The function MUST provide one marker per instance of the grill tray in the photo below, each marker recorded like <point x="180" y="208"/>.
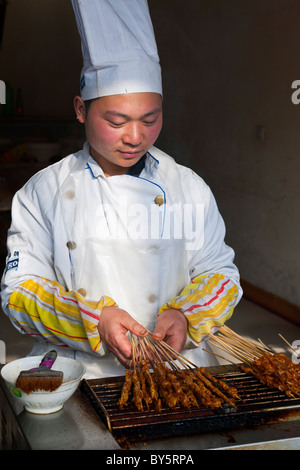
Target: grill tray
<point x="258" y="404"/>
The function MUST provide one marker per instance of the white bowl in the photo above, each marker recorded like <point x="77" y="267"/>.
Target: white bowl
<point x="42" y="402"/>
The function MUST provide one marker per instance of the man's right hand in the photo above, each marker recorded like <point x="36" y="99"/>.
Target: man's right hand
<point x="113" y="325"/>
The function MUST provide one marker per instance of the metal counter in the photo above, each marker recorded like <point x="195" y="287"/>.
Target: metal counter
<point x="78" y="427"/>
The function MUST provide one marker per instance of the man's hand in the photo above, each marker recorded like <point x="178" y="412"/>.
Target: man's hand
<point x="113" y="325"/>
<point x="171" y="326"/>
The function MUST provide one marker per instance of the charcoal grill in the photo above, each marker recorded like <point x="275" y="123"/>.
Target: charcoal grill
<point x="258" y="405"/>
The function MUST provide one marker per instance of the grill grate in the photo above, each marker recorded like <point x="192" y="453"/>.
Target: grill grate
<point x="258" y="403"/>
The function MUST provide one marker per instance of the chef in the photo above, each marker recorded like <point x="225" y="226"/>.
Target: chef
<point x="118" y="238"/>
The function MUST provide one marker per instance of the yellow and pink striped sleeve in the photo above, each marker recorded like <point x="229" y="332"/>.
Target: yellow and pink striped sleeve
<point x="42" y="308"/>
<point x="207" y="302"/>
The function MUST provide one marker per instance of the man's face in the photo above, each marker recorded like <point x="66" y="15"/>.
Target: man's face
<point x="121" y="129"/>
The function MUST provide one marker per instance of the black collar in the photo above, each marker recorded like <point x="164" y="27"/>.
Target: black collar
<point x="136" y="169"/>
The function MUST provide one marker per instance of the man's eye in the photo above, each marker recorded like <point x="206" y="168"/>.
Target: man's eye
<point x="150" y="122"/>
<point x="115" y="124"/>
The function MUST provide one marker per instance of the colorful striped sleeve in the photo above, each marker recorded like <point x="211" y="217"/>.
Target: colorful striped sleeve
<point x="42" y="308"/>
<point x="207" y="302"/>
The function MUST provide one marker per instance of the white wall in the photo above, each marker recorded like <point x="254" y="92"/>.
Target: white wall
<point x="228" y="67"/>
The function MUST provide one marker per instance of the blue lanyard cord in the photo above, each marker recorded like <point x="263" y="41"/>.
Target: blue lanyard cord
<point x="156" y="184"/>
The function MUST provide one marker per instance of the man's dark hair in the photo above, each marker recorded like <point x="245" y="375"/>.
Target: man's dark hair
<point x="88" y="104"/>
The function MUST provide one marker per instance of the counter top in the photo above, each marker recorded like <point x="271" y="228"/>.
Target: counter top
<point x="78" y="427"/>
<point x="75" y="427"/>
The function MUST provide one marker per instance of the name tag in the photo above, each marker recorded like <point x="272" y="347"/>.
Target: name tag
<point x="13" y="263"/>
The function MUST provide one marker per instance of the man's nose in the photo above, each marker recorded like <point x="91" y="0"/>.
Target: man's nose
<point x="133" y="134"/>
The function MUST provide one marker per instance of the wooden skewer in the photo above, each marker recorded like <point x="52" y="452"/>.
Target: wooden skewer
<point x="245" y="343"/>
<point x="133" y="351"/>
<point x="144" y="355"/>
<point x="237" y="346"/>
<point x="293" y="349"/>
<point x="230" y="350"/>
<point x="264" y="346"/>
<point x="218" y="355"/>
<point x="240" y="348"/>
<point x="166" y="347"/>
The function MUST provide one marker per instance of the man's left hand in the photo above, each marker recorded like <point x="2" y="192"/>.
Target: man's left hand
<point x="171" y="326"/>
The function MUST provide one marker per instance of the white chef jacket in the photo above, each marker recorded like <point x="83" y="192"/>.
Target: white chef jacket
<point x="137" y="239"/>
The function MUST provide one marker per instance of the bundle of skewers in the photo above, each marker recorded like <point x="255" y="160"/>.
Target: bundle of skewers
<point x="161" y="377"/>
<point x="275" y="370"/>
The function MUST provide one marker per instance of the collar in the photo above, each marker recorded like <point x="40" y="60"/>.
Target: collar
<point x="147" y="166"/>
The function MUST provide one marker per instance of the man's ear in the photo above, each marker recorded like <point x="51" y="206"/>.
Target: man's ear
<point x="80" y="109"/>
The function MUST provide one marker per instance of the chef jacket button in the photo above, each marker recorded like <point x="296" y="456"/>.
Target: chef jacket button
<point x="159" y="200"/>
<point x="70" y="194"/>
<point x="152" y="298"/>
<point x="82" y="292"/>
<point x="71" y="245"/>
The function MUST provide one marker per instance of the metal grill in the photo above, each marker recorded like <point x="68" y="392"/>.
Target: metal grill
<point x="258" y="404"/>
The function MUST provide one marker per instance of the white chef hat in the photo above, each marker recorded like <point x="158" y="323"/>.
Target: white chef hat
<point x="118" y="47"/>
